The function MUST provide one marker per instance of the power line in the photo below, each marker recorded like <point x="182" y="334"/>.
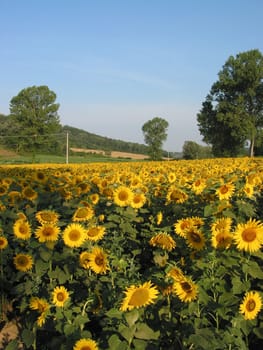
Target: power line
<point x="32" y="135"/>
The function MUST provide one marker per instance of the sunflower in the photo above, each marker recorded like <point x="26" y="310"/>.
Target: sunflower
<point x="42" y="306"/>
<point x="186" y="290"/>
<point x="47" y="217"/>
<point x="94" y="197"/>
<point x="195" y="238"/>
<point x="225" y="191"/>
<point x="138" y="200"/>
<point x="221" y="224"/>
<point x="83" y="214"/>
<point x="95" y="233"/>
<point x="3" y="243"/>
<point x="40" y="176"/>
<point x="176" y="195"/>
<point x="3" y="189"/>
<point x="98" y="260"/>
<point x="249" y="236"/>
<point x="248" y="190"/>
<point x="22" y="229"/>
<point x="29" y="193"/>
<point x="122" y="196"/>
<point x="182" y="225"/>
<point x="198" y="186"/>
<point x="176" y="274"/>
<point x="163" y="240"/>
<point x="84" y="259"/>
<point x="23" y="262"/>
<point x="14" y="196"/>
<point x="251" y="305"/>
<point x="47" y="233"/>
<point x="85" y="344"/>
<point x="60" y="296"/>
<point x="221" y="239"/>
<point x="140" y="296"/>
<point x="74" y="235"/>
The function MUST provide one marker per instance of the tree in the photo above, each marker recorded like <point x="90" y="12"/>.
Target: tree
<point x="233" y="110"/>
<point x="155" y="133"/>
<point x="34" y="114"/>
<point x="191" y="150"/>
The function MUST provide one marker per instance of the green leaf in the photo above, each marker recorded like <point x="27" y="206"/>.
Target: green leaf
<point x="45" y="254"/>
<point x="41" y="267"/>
<point x="114" y="313"/>
<point x="115" y="343"/>
<point x="69" y="329"/>
<point x="28" y="337"/>
<point x="132" y="316"/>
<point x="258" y="332"/>
<point x="253" y="269"/>
<point x="143" y="331"/>
<point x="140" y="344"/>
<point x="13" y="345"/>
<point x="127" y="332"/>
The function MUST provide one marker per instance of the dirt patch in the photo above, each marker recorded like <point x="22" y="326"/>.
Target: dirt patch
<point x="7" y="153"/>
<point x="113" y="154"/>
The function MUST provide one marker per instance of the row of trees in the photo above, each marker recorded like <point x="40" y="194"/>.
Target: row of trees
<point x="231" y="116"/>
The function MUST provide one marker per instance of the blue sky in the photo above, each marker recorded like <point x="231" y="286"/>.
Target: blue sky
<point x="115" y="64"/>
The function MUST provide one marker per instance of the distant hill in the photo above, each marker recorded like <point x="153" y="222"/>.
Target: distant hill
<point x="79" y="138"/>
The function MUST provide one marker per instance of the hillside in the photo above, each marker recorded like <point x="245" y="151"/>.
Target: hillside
<point x="79" y="138"/>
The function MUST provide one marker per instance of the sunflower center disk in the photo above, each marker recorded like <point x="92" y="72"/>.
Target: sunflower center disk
<point x="249" y="235"/>
<point x="74" y="235"/>
<point x="60" y="297"/>
<point x="139" y="297"/>
<point x="99" y="260"/>
<point x="251" y="305"/>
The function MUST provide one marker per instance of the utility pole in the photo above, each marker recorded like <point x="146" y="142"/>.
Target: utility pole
<point x="67" y="148"/>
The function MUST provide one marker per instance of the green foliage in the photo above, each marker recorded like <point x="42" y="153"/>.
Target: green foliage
<point x="192" y="150"/>
<point x="84" y="139"/>
<point x="33" y="115"/>
<point x="155" y="133"/>
<point x="232" y="112"/>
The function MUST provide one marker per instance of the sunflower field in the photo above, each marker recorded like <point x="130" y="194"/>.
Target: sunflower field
<point x="144" y="255"/>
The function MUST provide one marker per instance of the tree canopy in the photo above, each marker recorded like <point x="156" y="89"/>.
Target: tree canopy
<point x="155" y="133"/>
<point x="232" y="113"/>
<point x="33" y="112"/>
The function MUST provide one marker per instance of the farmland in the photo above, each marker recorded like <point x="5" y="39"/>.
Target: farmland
<point x="132" y="255"/>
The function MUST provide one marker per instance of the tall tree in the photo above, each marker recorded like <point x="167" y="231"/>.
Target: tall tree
<point x="35" y="115"/>
<point x="155" y="133"/>
<point x="233" y="110"/>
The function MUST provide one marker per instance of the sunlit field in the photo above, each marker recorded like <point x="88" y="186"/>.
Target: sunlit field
<point x="142" y="255"/>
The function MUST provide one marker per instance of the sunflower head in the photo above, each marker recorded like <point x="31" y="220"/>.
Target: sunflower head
<point x="74" y="235"/>
<point x="251" y="305"/>
<point x="23" y="262"/>
<point x="83" y="214"/>
<point x="140" y="296"/>
<point x="186" y="290"/>
<point x="47" y="217"/>
<point x="59" y="296"/>
<point x="22" y="229"/>
<point x="86" y="344"/>
<point x="163" y="240"/>
<point x="122" y="196"/>
<point x="3" y="242"/>
<point x="249" y="236"/>
<point x="98" y="261"/>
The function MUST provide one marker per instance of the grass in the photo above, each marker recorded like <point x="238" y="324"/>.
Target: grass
<point x="49" y="158"/>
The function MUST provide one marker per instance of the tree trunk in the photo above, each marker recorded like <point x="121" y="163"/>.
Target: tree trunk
<point x="251" y="147"/>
